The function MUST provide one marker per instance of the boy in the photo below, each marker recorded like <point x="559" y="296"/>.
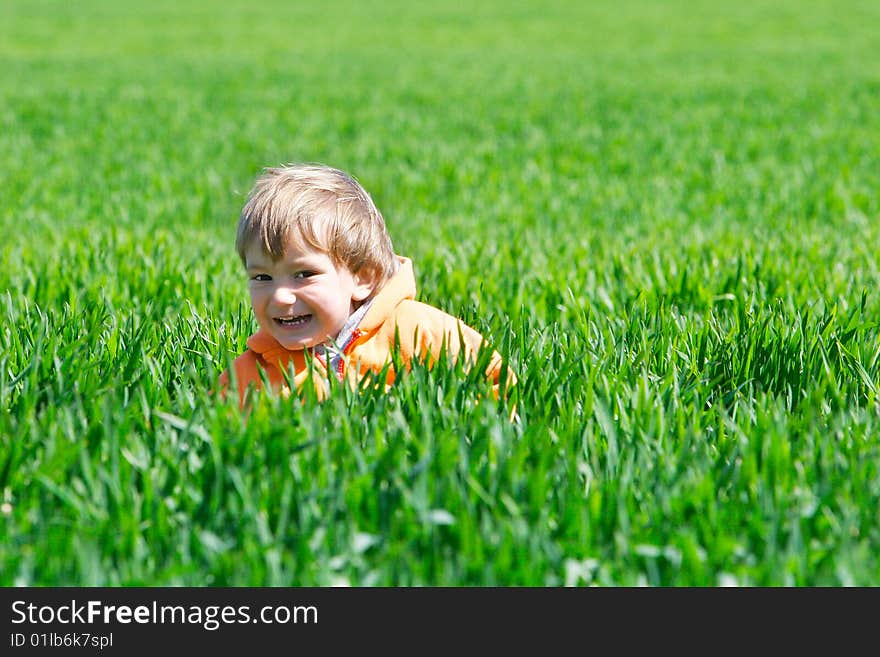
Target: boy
<point x="327" y="288"/>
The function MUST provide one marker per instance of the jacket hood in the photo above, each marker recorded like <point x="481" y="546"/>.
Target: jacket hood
<point x="399" y="287"/>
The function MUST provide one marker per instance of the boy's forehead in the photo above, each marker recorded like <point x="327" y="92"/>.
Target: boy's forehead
<point x="291" y="244"/>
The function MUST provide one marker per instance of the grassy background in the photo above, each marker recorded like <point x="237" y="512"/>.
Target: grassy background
<point x="664" y="214"/>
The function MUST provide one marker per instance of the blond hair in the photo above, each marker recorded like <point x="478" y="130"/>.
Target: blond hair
<point x="325" y="208"/>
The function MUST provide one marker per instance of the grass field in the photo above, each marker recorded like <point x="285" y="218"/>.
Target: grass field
<point x="664" y="214"/>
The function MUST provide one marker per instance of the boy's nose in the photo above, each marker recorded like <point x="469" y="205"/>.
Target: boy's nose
<point x="284" y="295"/>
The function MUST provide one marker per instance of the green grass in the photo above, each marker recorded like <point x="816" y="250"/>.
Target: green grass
<point x="664" y="214"/>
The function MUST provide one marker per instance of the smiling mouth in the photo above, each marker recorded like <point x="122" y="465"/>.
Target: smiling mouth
<point x="292" y="322"/>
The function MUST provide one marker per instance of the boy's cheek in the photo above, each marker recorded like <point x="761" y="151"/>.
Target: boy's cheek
<point x="255" y="308"/>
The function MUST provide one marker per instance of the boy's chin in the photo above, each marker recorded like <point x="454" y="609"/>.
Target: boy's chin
<point x="291" y="342"/>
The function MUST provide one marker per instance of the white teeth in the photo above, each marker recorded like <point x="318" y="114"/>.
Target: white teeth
<point x="292" y="321"/>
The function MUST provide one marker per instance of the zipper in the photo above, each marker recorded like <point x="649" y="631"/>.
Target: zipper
<point x="357" y="333"/>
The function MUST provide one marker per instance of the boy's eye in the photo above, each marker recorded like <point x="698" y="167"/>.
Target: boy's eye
<point x="303" y="274"/>
<point x="261" y="277"/>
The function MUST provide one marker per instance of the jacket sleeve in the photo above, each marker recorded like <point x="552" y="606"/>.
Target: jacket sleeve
<point x="246" y="373"/>
<point x="431" y="329"/>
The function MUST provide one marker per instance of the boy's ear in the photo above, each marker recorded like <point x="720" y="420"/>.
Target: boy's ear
<point x="364" y="285"/>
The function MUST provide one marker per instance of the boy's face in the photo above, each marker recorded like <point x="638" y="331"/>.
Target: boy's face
<point x="303" y="299"/>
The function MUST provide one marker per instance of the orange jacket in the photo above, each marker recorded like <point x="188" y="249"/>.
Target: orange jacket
<point x="422" y="331"/>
